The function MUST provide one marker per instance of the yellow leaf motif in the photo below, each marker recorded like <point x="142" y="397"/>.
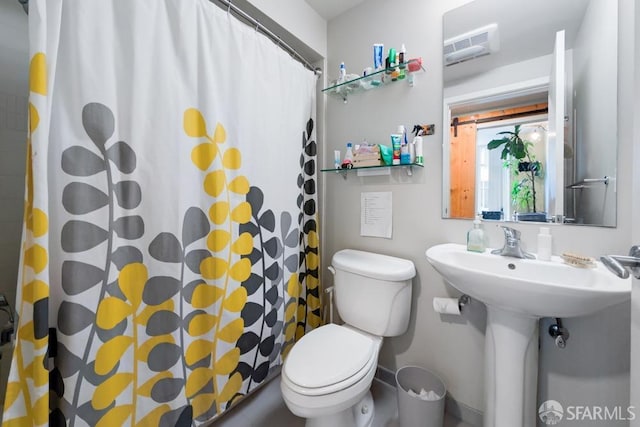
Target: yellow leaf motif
<point x="194" y="124"/>
<point x="110" y="353"/>
<point x="109" y="390"/>
<point x="241" y="270"/>
<point x="312" y="261"/>
<point x="230" y="388"/>
<point x="112" y="311"/>
<point x="227" y="363"/>
<point x="244" y="244"/>
<point x="218" y="212"/>
<point x="40" y="410"/>
<point x="232" y="331"/>
<point x="40" y="223"/>
<point x="239" y="185"/>
<point x="36" y="257"/>
<point x="34" y="118"/>
<point x="17" y="422"/>
<point x="197" y="380"/>
<point x="299" y="332"/>
<point x="145" y="349"/>
<point x="293" y="286"/>
<point x="37" y="372"/>
<point x="200" y="324"/>
<point x="290" y="311"/>
<point x="197" y="350"/>
<point x="153" y="417"/>
<point x="241" y="213"/>
<point x="312" y="239"/>
<point x="201" y="403"/>
<point x="145" y="389"/>
<point x="26" y="333"/>
<point x="290" y="331"/>
<point x="236" y="301"/>
<point x="214" y="183"/>
<point x="217" y="240"/>
<point x="204" y="295"/>
<point x="131" y="280"/>
<point x="219" y="135"/>
<point x="213" y="268"/>
<point x="38" y="74"/>
<point x="116" y="416"/>
<point x="232" y="158"/>
<point x="203" y="155"/>
<point x="12" y="393"/>
<point x="35" y="291"/>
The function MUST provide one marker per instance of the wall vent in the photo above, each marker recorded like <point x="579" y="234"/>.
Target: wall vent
<point x="473" y="44"/>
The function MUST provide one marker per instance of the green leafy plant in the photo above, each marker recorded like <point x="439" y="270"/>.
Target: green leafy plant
<point x="518" y="158"/>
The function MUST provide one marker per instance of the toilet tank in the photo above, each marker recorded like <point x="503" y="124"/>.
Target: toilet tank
<point x="373" y="291"/>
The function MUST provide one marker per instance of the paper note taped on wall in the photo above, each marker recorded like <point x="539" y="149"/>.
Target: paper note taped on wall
<point x="376" y="214"/>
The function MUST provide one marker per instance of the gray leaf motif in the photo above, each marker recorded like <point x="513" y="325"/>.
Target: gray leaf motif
<point x="268" y="220"/>
<point x="251" y="312"/>
<point x="291" y="262"/>
<point x="165" y="247"/>
<point x="72" y="318"/>
<point x="41" y="318"/>
<point x="77" y="277"/>
<point x="273" y="247"/>
<point x="167" y="389"/>
<point x="195" y="226"/>
<point x="285" y="221"/>
<point x="255" y="197"/>
<point x="126" y="255"/>
<point x="79" y="236"/>
<point x="181" y="417"/>
<point x="158" y="289"/>
<point x="162" y="323"/>
<point x="128" y="193"/>
<point x="129" y="227"/>
<point x="163" y="357"/>
<point x="98" y="122"/>
<point x="122" y="156"/>
<point x="79" y="198"/>
<point x="78" y="161"/>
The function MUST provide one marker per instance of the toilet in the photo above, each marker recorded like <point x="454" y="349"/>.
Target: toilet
<point x="327" y="374"/>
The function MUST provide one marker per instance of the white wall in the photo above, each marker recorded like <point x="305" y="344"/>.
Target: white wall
<point x="595" y="95"/>
<point x="14" y="47"/>
<point x="595" y="366"/>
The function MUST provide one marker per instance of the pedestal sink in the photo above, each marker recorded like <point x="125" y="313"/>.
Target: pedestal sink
<point x="518" y="292"/>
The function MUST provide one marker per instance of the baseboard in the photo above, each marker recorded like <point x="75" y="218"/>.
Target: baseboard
<point x="452" y="407"/>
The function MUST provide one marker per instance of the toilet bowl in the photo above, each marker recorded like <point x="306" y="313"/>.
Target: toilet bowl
<point x="327" y="374"/>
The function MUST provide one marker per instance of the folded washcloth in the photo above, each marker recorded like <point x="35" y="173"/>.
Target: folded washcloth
<point x="424" y="395"/>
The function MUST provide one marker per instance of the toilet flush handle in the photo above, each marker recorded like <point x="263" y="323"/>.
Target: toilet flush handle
<point x="332" y="270"/>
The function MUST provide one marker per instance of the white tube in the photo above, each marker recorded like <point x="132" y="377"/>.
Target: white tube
<point x="446" y="306"/>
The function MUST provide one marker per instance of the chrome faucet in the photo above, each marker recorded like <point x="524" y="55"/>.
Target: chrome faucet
<point x="512" y="245"/>
<point x="620" y="265"/>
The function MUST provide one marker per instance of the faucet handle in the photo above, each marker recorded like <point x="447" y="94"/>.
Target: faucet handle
<point x="510" y="233"/>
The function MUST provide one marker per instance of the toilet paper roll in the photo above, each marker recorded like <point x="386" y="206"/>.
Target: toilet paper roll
<point x="446" y="305"/>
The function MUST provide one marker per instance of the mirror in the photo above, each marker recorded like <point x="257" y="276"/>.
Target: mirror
<point x="544" y="72"/>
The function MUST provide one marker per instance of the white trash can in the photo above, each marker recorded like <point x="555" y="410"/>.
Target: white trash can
<point x="420" y="397"/>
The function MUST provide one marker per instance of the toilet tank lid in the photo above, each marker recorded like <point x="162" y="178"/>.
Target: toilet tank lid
<point x="375" y="266"/>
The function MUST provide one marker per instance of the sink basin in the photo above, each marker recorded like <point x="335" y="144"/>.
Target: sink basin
<point x="517" y="292"/>
<point x="531" y="287"/>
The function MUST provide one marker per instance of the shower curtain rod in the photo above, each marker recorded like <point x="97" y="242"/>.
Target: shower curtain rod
<point x="253" y="21"/>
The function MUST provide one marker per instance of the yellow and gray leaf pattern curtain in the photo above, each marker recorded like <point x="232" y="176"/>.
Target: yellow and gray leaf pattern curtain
<point x="170" y="248"/>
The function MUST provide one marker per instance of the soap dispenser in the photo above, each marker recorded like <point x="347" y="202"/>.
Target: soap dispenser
<point x="475" y="237"/>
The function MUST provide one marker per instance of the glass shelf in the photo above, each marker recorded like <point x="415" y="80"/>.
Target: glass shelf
<point x="371" y="81"/>
<point x="409" y="168"/>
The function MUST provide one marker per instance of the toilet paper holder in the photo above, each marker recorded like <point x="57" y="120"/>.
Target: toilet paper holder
<point x="463" y="300"/>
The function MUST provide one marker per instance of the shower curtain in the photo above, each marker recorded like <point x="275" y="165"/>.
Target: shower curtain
<point x="170" y="248"/>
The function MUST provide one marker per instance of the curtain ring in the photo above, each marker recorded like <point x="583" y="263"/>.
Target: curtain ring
<point x="228" y="6"/>
<point x="257" y="26"/>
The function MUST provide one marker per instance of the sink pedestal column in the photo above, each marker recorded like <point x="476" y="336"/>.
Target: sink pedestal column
<point x="511" y="369"/>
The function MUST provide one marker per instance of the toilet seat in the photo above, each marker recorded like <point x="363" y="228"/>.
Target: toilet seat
<point x="329" y="359"/>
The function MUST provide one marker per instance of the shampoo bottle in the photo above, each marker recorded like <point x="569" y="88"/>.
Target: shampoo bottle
<point x="475" y="237"/>
<point x="544" y="244"/>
